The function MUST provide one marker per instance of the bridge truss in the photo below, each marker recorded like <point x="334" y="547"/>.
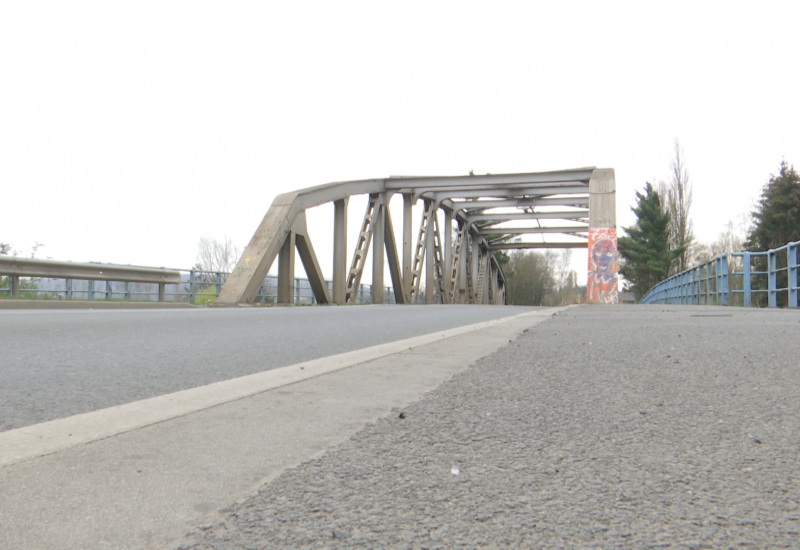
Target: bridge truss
<point x="463" y="221"/>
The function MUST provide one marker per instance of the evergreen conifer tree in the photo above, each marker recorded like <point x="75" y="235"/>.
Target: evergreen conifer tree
<point x="645" y="250"/>
<point x="777" y="215"/>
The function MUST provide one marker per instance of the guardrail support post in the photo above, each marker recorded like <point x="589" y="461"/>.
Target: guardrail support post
<point x="162" y="292"/>
<point x="794" y="279"/>
<point x="192" y="286"/>
<point x="14" y="285"/>
<point x="747" y="286"/>
<point x="772" y="278"/>
<point x="723" y="282"/>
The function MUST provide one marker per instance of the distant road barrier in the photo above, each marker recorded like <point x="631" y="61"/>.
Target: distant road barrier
<point x="15" y="267"/>
<point x="739" y="278"/>
<point x="70" y="280"/>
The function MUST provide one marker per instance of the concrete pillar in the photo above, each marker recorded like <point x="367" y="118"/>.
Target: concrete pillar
<point x="340" y="251"/>
<point x="602" y="284"/>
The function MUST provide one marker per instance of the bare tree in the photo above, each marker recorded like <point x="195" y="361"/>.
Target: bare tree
<point x="732" y="239"/>
<point x="560" y="262"/>
<point x="677" y="196"/>
<point x="214" y="255"/>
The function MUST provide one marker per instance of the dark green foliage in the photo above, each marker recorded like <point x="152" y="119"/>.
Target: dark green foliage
<point x="776" y="222"/>
<point x="645" y="250"/>
<point x="4" y="249"/>
<point x="529" y="278"/>
<point x="777" y="215"/>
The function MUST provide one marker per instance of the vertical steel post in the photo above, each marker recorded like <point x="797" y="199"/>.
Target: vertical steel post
<point x="794" y="276"/>
<point x="192" y="285"/>
<point x="747" y="287"/>
<point x="447" y="269"/>
<point x="476" y="259"/>
<point x="461" y="289"/>
<point x="162" y="292"/>
<point x="14" y="285"/>
<point x="430" y="264"/>
<point x="378" y="245"/>
<point x="723" y="280"/>
<point x="340" y="251"/>
<point x="772" y="278"/>
<point x="286" y="270"/>
<point x="90" y="289"/>
<point x="68" y="289"/>
<point x="408" y="258"/>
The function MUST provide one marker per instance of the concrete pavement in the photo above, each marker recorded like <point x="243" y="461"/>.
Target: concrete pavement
<point x="142" y="474"/>
<point x="603" y="427"/>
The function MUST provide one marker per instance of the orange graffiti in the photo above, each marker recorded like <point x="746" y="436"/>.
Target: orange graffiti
<point x="602" y="282"/>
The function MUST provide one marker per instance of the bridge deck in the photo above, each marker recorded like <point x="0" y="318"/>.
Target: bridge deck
<point x="622" y="426"/>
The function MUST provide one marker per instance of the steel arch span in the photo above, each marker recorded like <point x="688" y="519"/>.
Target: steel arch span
<point x="463" y="220"/>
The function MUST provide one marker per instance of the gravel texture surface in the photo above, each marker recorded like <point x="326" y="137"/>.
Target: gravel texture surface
<point x="605" y="427"/>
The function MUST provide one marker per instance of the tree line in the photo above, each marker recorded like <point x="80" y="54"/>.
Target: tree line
<point x="661" y="242"/>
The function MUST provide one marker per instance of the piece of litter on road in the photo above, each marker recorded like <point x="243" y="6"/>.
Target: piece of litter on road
<point x="455" y="471"/>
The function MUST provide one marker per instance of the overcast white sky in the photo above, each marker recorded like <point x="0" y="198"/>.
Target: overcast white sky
<point x="128" y="130"/>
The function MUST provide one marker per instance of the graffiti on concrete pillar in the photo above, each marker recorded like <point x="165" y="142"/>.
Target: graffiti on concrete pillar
<point x="602" y="282"/>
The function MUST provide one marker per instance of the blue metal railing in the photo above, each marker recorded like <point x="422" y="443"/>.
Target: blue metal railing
<point x="740" y="278"/>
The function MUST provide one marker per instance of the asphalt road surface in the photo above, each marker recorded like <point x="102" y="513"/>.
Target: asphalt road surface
<point x="56" y="363"/>
<point x="621" y="427"/>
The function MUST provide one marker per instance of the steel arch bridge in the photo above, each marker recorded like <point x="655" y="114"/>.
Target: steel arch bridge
<point x="464" y="220"/>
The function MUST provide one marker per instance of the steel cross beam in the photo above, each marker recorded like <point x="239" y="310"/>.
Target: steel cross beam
<point x="473" y="207"/>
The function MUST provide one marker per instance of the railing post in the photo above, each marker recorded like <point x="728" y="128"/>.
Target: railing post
<point x="162" y="291"/>
<point x="90" y="289"/>
<point x="68" y="289"/>
<point x="127" y="290"/>
<point x="14" y="285"/>
<point x="772" y="278"/>
<point x="747" y="286"/>
<point x="219" y="283"/>
<point x="722" y="280"/>
<point x="192" y="286"/>
<point x="794" y="279"/>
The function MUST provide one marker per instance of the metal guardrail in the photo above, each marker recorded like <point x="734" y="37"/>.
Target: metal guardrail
<point x="15" y="267"/>
<point x="739" y="278"/>
<point x="46" y="279"/>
